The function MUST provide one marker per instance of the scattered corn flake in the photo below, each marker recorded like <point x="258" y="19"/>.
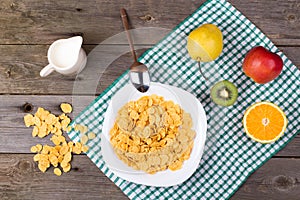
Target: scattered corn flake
<point x="55" y="140"/>
<point x="54" y="152"/>
<point x="39" y="147"/>
<point x="53" y="159"/>
<point x="42" y="134"/>
<point x="45" y="162"/>
<point x="65" y="143"/>
<point x="69" y="128"/>
<point x="64" y="164"/>
<point x="67" y="168"/>
<point x="84" y="129"/>
<point x="36" y="157"/>
<point x="84" y="139"/>
<point x="50" y="119"/>
<point x="66" y="107"/>
<point x="35" y="131"/>
<point x="81" y="128"/>
<point x="77" y="127"/>
<point x="57" y="147"/>
<point x="68" y="157"/>
<point x="42" y="168"/>
<point x="64" y="150"/>
<point x="70" y="144"/>
<point x="58" y="132"/>
<point x="61" y="138"/>
<point x="76" y="150"/>
<point x="78" y="144"/>
<point x="36" y="120"/>
<point x="57" y="171"/>
<point x="91" y="135"/>
<point x="62" y="116"/>
<point x="60" y="158"/>
<point x="84" y="148"/>
<point x="28" y="120"/>
<point x="45" y="123"/>
<point x="34" y="149"/>
<point x="44" y="152"/>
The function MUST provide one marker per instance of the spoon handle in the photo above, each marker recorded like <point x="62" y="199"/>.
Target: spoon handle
<point x="126" y="27"/>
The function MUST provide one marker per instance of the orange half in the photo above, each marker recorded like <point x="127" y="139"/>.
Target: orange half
<point x="264" y="122"/>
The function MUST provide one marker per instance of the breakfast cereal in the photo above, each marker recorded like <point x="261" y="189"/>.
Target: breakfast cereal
<point x="66" y="107"/>
<point x="152" y="134"/>
<point x="44" y="123"/>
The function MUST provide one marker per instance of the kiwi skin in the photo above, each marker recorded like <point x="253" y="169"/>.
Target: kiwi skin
<point x="224" y="93"/>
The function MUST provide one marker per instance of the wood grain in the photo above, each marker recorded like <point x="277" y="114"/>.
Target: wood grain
<point x="277" y="179"/>
<point x="36" y="22"/>
<point x="20" y="178"/>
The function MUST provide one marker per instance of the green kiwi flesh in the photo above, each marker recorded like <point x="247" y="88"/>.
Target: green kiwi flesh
<point x="224" y="93"/>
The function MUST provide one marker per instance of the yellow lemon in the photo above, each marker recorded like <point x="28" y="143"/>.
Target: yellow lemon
<point x="205" y="43"/>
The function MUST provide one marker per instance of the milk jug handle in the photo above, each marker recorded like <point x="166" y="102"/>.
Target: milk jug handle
<point x="46" y="70"/>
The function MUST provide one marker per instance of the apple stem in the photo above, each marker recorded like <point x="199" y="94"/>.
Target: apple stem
<point x="199" y="65"/>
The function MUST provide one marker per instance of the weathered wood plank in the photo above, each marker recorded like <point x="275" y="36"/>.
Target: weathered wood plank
<point x="19" y="74"/>
<point x="21" y="179"/>
<point x="12" y="110"/>
<point x="279" y="20"/>
<point x="36" y="22"/>
<point x="277" y="179"/>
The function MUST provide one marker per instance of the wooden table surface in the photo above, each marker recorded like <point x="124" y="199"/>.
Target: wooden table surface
<point x="28" y="27"/>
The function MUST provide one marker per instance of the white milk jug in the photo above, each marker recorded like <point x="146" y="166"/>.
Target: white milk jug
<point x="66" y="57"/>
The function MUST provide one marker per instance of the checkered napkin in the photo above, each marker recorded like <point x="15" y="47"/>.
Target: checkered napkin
<point x="229" y="156"/>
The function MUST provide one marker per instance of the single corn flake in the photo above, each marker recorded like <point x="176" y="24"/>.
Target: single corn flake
<point x="84" y="148"/>
<point x="68" y="157"/>
<point x="64" y="150"/>
<point x="36" y="120"/>
<point x="66" y="107"/>
<point x="57" y="171"/>
<point x="61" y="138"/>
<point x="84" y="139"/>
<point x="55" y="140"/>
<point x="34" y="149"/>
<point x="91" y="135"/>
<point x="70" y="144"/>
<point x="28" y="120"/>
<point x="39" y="147"/>
<point x="64" y="164"/>
<point x="35" y="131"/>
<point x="67" y="168"/>
<point x="36" y="157"/>
<point x="76" y="150"/>
<point x="84" y="129"/>
<point x="60" y="158"/>
<point x="42" y="168"/>
<point x="69" y="128"/>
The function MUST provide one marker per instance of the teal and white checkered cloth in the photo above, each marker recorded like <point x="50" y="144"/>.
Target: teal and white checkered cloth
<point x="229" y="156"/>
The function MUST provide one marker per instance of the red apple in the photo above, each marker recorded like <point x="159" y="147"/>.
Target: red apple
<point x="262" y="65"/>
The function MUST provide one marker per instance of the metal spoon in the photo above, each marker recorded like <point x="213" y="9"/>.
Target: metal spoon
<point x="138" y="72"/>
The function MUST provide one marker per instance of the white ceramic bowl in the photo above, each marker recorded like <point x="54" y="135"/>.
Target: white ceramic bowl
<point x="164" y="178"/>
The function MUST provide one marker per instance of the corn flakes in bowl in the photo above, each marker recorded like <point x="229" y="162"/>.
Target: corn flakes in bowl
<point x="152" y="136"/>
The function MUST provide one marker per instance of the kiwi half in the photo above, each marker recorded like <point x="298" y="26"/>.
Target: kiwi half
<point x="224" y="93"/>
